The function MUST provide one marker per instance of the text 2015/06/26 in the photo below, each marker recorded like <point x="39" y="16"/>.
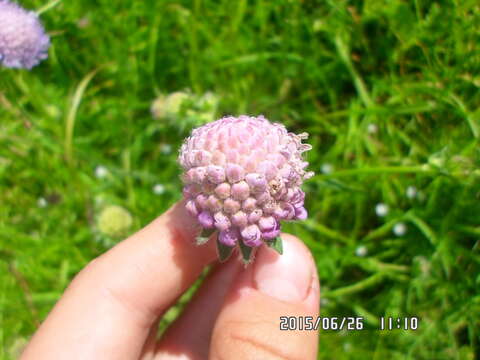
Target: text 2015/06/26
<point x="323" y="323"/>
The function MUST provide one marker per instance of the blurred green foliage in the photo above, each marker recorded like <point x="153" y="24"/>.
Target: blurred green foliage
<point x="388" y="90"/>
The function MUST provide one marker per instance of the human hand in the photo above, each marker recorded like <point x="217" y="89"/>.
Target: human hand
<point x="112" y="307"/>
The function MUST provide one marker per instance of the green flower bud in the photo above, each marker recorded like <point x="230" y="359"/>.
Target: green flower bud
<point x="114" y="221"/>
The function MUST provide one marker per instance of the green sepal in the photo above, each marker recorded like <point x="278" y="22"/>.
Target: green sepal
<point x="204" y="236"/>
<point x="276" y="244"/>
<point x="247" y="252"/>
<point x="224" y="251"/>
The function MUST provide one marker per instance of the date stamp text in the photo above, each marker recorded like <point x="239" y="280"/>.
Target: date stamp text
<point x="345" y="323"/>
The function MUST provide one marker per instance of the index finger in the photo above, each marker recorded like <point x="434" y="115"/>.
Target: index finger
<point x="108" y="309"/>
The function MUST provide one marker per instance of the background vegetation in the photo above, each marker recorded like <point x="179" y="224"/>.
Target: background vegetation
<point x="388" y="90"/>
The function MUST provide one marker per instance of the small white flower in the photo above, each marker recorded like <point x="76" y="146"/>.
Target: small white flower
<point x="158" y="189"/>
<point x="381" y="209"/>
<point x="165" y="149"/>
<point x="326" y="168"/>
<point x="400" y="229"/>
<point x="372" y="128"/>
<point x="42" y="202"/>
<point x="101" y="171"/>
<point x="361" y="251"/>
<point x="411" y="192"/>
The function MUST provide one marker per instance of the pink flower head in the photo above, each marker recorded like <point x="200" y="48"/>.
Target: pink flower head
<point x="242" y="177"/>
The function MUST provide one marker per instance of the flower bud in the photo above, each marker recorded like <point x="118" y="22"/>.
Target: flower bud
<point x="251" y="236"/>
<point x="242" y="177"/>
<point x="240" y="191"/>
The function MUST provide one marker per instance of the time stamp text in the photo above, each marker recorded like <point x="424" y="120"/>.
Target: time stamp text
<point x="345" y="323"/>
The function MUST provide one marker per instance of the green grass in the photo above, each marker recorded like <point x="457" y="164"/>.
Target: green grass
<point x="388" y="90"/>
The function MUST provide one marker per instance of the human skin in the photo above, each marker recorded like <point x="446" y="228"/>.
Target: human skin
<point x="112" y="307"/>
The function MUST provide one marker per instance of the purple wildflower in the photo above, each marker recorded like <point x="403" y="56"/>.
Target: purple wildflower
<point x="242" y="177"/>
<point x="23" y="41"/>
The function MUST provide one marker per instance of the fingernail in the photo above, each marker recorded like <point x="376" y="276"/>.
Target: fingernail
<point x="285" y="277"/>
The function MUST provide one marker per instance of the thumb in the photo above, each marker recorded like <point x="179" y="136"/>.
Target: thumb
<point x="248" y="326"/>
